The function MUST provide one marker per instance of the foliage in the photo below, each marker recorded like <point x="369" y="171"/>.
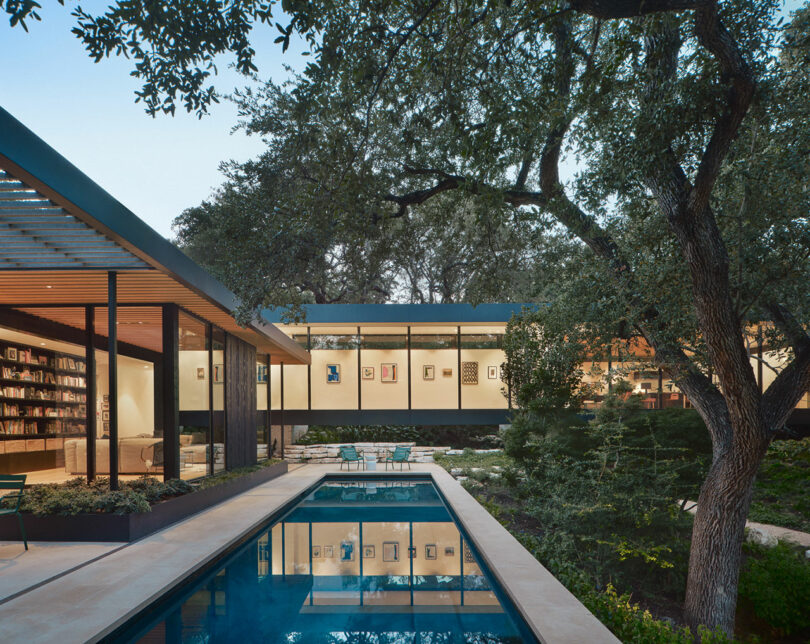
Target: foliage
<point x="782" y="490"/>
<point x="482" y="436"/>
<point x="776" y="581"/>
<point x="470" y="459"/>
<point x="77" y="496"/>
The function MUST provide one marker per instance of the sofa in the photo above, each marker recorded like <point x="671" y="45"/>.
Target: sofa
<point x="133" y="454"/>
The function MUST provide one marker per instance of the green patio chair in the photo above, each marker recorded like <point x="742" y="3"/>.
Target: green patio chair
<point x="13" y="482"/>
<point x="400" y="455"/>
<point x="349" y="455"/>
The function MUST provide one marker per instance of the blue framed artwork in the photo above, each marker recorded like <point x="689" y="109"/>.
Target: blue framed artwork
<point x="333" y="374"/>
<point x="261" y="374"/>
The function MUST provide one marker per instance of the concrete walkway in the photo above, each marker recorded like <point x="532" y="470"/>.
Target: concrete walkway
<point x="783" y="534"/>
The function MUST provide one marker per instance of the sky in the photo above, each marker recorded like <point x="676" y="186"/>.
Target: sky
<point x="156" y="167"/>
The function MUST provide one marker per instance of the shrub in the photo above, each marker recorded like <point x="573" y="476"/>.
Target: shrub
<point x="777" y="583"/>
<point x="458" y="436"/>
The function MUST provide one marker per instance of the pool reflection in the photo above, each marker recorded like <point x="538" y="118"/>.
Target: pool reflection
<point x="354" y="561"/>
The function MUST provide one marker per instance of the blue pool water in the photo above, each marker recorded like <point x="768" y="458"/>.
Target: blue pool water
<point x="378" y="561"/>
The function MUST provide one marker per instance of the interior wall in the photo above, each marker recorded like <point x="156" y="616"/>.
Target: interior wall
<point x="487" y="394"/>
<point x="442" y="391"/>
<point x="193" y="391"/>
<point x="136" y="395"/>
<point x="385" y="395"/>
<point x="342" y="395"/>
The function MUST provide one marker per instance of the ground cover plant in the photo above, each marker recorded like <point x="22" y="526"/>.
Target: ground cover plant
<point x="77" y="496"/>
<point x="782" y="489"/>
<point x="480" y="436"/>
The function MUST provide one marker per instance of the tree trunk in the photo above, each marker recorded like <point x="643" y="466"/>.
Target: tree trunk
<point x="717" y="536"/>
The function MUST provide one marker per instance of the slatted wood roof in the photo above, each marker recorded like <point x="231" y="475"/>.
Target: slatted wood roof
<point x="60" y="233"/>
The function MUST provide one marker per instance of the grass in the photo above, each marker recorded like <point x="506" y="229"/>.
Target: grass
<point x="782" y="490"/>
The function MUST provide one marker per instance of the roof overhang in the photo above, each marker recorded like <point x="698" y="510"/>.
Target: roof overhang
<point x="57" y="226"/>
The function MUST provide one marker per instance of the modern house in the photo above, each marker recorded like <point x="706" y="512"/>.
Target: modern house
<point x="119" y="355"/>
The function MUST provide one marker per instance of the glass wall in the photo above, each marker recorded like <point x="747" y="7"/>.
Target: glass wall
<point x="194" y="396"/>
<point x="262" y="426"/>
<point x="218" y="398"/>
<point x="482" y="359"/>
<point x="434" y="368"/>
<point x="384" y="367"/>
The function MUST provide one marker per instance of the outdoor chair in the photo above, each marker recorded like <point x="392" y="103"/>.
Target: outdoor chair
<point x="349" y="455"/>
<point x="13" y="482"/>
<point x="400" y="455"/>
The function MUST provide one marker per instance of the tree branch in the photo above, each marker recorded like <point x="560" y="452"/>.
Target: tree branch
<point x="612" y="9"/>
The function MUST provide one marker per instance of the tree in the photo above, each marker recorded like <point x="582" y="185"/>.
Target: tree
<point x="691" y="139"/>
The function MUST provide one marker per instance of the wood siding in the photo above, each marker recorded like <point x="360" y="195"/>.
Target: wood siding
<point x="240" y="402"/>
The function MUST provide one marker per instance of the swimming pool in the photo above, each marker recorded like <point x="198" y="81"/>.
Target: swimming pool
<point x="354" y="560"/>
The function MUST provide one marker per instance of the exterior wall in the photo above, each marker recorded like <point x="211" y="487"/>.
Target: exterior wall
<point x="385" y="395"/>
<point x="240" y="403"/>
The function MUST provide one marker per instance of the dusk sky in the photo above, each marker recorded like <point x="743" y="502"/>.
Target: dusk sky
<point x="86" y="111"/>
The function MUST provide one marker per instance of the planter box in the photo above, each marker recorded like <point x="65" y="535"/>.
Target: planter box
<point x="129" y="527"/>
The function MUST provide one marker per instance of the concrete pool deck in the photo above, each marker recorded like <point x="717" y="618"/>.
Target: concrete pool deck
<point x="87" y="596"/>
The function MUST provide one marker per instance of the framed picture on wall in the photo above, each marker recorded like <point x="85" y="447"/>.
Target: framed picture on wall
<point x="316" y="552"/>
<point x="492" y="372"/>
<point x="368" y="552"/>
<point x="105" y="406"/>
<point x="200" y="373"/>
<point x="430" y="551"/>
<point x="333" y="374"/>
<point x="368" y="373"/>
<point x="428" y="372"/>
<point x="388" y="372"/>
<point x="447" y="373"/>
<point x="219" y="373"/>
<point x="328" y="552"/>
<point x="11" y="353"/>
<point x="105" y="415"/>
<point x="347" y="551"/>
<point x="390" y="550"/>
<point x="449" y="551"/>
<point x="106" y="398"/>
<point x="106" y="428"/>
<point x="469" y="373"/>
<point x="261" y="374"/>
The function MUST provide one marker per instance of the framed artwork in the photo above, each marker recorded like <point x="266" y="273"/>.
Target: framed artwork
<point x="11" y="353"/>
<point x="447" y="373"/>
<point x="428" y="372"/>
<point x="468" y="555"/>
<point x="492" y="372"/>
<point x="390" y="550"/>
<point x="333" y="374"/>
<point x="105" y="415"/>
<point x="328" y="552"/>
<point x="316" y="552"/>
<point x="411" y="553"/>
<point x="219" y="373"/>
<point x="449" y="551"/>
<point x="469" y="373"/>
<point x="368" y="373"/>
<point x="430" y="551"/>
<point x="106" y="428"/>
<point x="388" y="372"/>
<point x="105" y="406"/>
<point x="261" y="374"/>
<point x="200" y="373"/>
<point x="368" y="552"/>
<point x="106" y="398"/>
<point x="347" y="551"/>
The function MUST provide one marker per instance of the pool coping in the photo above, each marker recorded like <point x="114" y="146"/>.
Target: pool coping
<point x="92" y="602"/>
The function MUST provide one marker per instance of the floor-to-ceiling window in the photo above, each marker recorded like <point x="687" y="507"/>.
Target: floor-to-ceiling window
<point x="194" y="395"/>
<point x="218" y="398"/>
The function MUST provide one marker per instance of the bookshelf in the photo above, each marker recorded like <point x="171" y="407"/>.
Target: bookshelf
<point x="43" y="393"/>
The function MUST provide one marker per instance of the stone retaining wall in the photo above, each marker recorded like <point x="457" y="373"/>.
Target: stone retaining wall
<point x="330" y="453"/>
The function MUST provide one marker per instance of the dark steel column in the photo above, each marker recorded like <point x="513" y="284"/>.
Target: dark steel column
<point x="171" y="403"/>
<point x="458" y="352"/>
<point x="309" y="369"/>
<point x="90" y="376"/>
<point x="209" y="330"/>
<point x="609" y="375"/>
<point x="359" y="373"/>
<point x="112" y="351"/>
<point x="282" y="409"/>
<point x="409" y="368"/>
<point x="268" y="424"/>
